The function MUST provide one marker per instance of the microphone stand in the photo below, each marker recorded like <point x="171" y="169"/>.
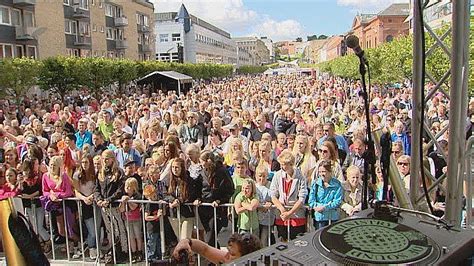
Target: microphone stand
<point x="369" y="154"/>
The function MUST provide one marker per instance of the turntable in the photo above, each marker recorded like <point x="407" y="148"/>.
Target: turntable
<point x="368" y="240"/>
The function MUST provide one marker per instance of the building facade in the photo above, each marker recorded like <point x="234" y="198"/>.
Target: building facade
<point x="286" y="48"/>
<point x="312" y="51"/>
<point x="270" y="46"/>
<point x="18" y="31"/>
<point x="87" y="28"/>
<point x="255" y="47"/>
<point x="333" y="47"/>
<point x="199" y="41"/>
<point x="375" y="29"/>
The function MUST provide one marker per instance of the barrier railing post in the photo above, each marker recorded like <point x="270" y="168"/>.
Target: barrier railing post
<point x="162" y="231"/>
<point x="197" y="231"/>
<point x="111" y="217"/>
<point x="178" y="211"/>
<point x="128" y="234"/>
<point x="215" y="226"/>
<point x="269" y="238"/>
<point x="79" y="206"/>
<point x="233" y="219"/>
<point x="51" y="234"/>
<point x="97" y="234"/>
<point x="33" y="210"/>
<point x="65" y="230"/>
<point x="144" y="236"/>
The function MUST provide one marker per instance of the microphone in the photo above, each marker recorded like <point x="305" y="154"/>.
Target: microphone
<point x="353" y="42"/>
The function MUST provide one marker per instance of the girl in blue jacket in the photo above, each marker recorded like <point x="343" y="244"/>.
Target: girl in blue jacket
<point x="325" y="196"/>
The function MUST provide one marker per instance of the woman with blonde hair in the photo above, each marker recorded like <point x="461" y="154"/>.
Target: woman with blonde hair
<point x="235" y="147"/>
<point x="109" y="188"/>
<point x="245" y="204"/>
<point x="328" y="151"/>
<point x="305" y="160"/>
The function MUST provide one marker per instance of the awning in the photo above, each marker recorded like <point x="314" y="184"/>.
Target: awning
<point x="182" y="78"/>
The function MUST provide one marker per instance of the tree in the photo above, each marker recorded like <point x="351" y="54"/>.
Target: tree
<point x="312" y="37"/>
<point x="299" y="39"/>
<point x="17" y="76"/>
<point x="60" y="75"/>
<point x="98" y="73"/>
<point x="124" y="71"/>
<point x="322" y="37"/>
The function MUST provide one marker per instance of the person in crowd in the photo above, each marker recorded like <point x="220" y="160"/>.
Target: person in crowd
<point x="397" y="150"/>
<point x="98" y="143"/>
<point x="217" y="188"/>
<point x="182" y="190"/>
<point x="109" y="188"/>
<point x="399" y="134"/>
<point x="83" y="136"/>
<point x="280" y="143"/>
<point x="12" y="186"/>
<point x="56" y="185"/>
<point x="153" y="217"/>
<point x="327" y="152"/>
<point x="325" y="196"/>
<point x="355" y="157"/>
<point x="133" y="217"/>
<point x="305" y="160"/>
<point x="191" y="132"/>
<point x="403" y="165"/>
<point x="84" y="181"/>
<point x="289" y="191"/>
<point x="266" y="216"/>
<point x="330" y="131"/>
<point x="127" y="152"/>
<point x="352" y="190"/>
<point x="245" y="205"/>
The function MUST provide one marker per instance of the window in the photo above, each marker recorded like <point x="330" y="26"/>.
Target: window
<point x="84" y="29"/>
<point x="109" y="35"/>
<point x="119" y="34"/>
<point x="70" y="27"/>
<point x="19" y="51"/>
<point x="31" y="51"/>
<point x="109" y="11"/>
<point x="142" y="19"/>
<point x="176" y="37"/>
<point x="101" y="28"/>
<point x="82" y="4"/>
<point x="94" y="27"/>
<point x="6" y="51"/>
<point x="66" y="2"/>
<point x="163" y="37"/>
<point x="140" y="39"/>
<point x="16" y="17"/>
<point x="101" y="4"/>
<point x="29" y="19"/>
<point x="4" y="15"/>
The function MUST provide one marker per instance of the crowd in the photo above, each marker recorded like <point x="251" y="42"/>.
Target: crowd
<point x="281" y="149"/>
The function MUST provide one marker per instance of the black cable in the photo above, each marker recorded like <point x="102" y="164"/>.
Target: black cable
<point x="422" y="122"/>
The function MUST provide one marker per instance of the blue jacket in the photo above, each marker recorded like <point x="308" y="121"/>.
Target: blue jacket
<point x="81" y="140"/>
<point x="330" y="198"/>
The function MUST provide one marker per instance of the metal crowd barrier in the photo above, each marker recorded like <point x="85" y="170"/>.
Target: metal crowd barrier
<point x="162" y="232"/>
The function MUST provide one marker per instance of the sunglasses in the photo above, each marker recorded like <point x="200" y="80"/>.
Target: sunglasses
<point x="396" y="152"/>
<point x="323" y="151"/>
<point x="403" y="164"/>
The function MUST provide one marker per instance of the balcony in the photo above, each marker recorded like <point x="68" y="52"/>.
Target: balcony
<point x="121" y="44"/>
<point x="24" y="33"/>
<point x="80" y="14"/>
<point x="24" y="2"/>
<point x="143" y="28"/>
<point x="121" y="21"/>
<point x="146" y="48"/>
<point x="82" y="41"/>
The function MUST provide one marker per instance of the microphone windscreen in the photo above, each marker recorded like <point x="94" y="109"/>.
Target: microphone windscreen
<point x="352" y="41"/>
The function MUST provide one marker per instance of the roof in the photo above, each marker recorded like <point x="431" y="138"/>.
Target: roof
<point x="364" y="18"/>
<point x="170" y="74"/>
<point x="399" y="9"/>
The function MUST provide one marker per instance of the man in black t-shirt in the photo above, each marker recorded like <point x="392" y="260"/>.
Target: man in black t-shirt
<point x="256" y="134"/>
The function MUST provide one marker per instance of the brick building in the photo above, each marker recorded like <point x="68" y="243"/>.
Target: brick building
<point x="105" y="28"/>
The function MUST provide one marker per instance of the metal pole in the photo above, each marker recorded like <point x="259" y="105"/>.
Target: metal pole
<point x="233" y="220"/>
<point x="162" y="231"/>
<point x="215" y="227"/>
<point x="128" y="234"/>
<point x="144" y="235"/>
<point x="51" y="234"/>
<point x="197" y="231"/>
<point x="79" y="206"/>
<point x="111" y="217"/>
<point x="469" y="153"/>
<point x="97" y="234"/>
<point x="65" y="230"/>
<point x="417" y="102"/>
<point x="178" y="210"/>
<point x="457" y="114"/>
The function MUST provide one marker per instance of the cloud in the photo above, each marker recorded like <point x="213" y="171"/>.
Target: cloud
<point x="280" y="30"/>
<point x="369" y="5"/>
<point x="234" y="17"/>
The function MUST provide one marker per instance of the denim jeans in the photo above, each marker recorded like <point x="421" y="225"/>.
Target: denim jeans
<point x="153" y="246"/>
<point x="93" y="228"/>
<point x="36" y="217"/>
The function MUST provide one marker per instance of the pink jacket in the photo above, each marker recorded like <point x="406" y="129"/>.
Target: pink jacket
<point x="7" y="192"/>
<point x="63" y="191"/>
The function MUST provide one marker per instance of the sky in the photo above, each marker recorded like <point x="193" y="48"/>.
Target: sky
<point x="278" y="19"/>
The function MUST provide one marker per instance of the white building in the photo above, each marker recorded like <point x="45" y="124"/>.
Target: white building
<point x="201" y="41"/>
<point x="255" y="47"/>
<point x="269" y="44"/>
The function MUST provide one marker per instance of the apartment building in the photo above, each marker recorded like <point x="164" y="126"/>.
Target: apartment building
<point x="270" y="46"/>
<point x="86" y="28"/>
<point x="180" y="34"/>
<point x="256" y="47"/>
<point x="18" y="31"/>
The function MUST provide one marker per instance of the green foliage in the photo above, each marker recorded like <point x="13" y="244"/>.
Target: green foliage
<point x="393" y="61"/>
<point x="299" y="39"/>
<point x="251" y="69"/>
<point x="311" y="37"/>
<point x="17" y="76"/>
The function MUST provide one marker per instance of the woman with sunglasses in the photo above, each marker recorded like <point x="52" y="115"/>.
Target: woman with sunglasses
<point x="328" y="152"/>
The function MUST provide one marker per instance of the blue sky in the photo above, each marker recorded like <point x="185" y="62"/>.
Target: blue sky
<point x="278" y="19"/>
